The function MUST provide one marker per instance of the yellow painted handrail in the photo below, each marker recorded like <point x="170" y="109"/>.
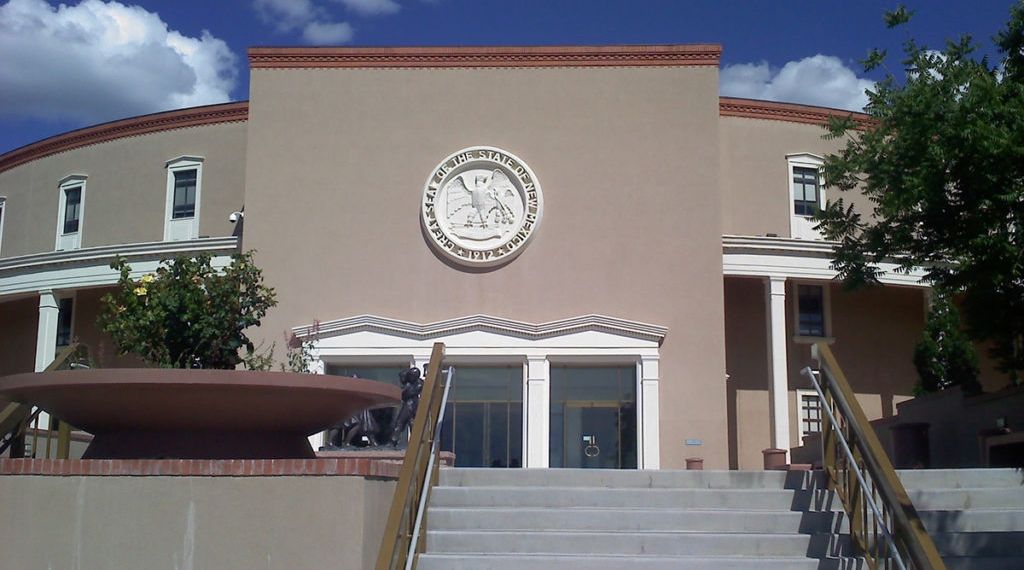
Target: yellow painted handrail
<point x="868" y="487"/>
<point x="399" y="530"/>
<point x="16" y="417"/>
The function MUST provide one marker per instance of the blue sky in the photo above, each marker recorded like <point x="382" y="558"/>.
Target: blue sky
<point x="67" y="66"/>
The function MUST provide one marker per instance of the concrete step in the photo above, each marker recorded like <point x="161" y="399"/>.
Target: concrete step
<point x="639" y="543"/>
<point x="980" y="544"/>
<point x="962" y="478"/>
<point x="967" y="498"/>
<point x="983" y="562"/>
<point x="742" y="499"/>
<point x="632" y="519"/>
<point x="472" y="561"/>
<point x="621" y="479"/>
<point x="973" y="520"/>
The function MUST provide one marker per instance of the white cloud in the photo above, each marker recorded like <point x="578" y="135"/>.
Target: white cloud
<point x="102" y="60"/>
<point x="312" y="22"/>
<point x="322" y="33"/>
<point x="817" y="80"/>
<point x="371" y="7"/>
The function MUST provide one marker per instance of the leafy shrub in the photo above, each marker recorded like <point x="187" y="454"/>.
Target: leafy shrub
<point x="187" y="314"/>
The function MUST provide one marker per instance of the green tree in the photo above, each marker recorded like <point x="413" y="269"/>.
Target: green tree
<point x="942" y="163"/>
<point x="187" y="314"/>
<point x="945" y="356"/>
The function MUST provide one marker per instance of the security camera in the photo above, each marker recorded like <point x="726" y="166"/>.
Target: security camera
<point x="235" y="216"/>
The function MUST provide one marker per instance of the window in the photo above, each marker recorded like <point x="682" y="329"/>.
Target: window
<point x="70" y="211"/>
<point x="483" y="423"/>
<point x="3" y="203"/>
<point x="184" y="194"/>
<point x="805" y="191"/>
<point x="65" y="313"/>
<point x="387" y="373"/>
<point x="811" y="310"/>
<point x="72" y="208"/>
<point x="809" y="408"/>
<point x="184" y="198"/>
<point x="806" y="195"/>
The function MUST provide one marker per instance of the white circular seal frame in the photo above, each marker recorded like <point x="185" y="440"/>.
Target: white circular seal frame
<point x="481" y="205"/>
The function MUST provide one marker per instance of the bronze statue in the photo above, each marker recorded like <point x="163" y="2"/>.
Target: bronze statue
<point x="357" y="429"/>
<point x="412" y="387"/>
<point x="373" y="426"/>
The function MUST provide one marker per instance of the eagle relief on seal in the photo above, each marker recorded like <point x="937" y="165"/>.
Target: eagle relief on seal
<point x="481" y="205"/>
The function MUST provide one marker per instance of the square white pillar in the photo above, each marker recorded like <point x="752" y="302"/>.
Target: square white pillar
<point x="649" y="414"/>
<point x="46" y="332"/>
<point x="317" y="366"/>
<point x="538" y="411"/>
<point x="778" y="366"/>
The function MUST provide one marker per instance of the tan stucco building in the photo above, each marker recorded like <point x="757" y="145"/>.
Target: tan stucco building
<point x="620" y="261"/>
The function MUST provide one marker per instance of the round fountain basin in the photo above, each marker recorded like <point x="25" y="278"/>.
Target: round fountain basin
<point x="197" y="414"/>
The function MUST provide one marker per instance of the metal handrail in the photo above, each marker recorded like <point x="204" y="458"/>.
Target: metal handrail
<point x="419" y="473"/>
<point x="16" y="417"/>
<point x="884" y="524"/>
<point x="432" y="464"/>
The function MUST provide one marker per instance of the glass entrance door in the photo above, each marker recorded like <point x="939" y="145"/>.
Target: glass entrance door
<point x="593" y="417"/>
<point x="483" y="423"/>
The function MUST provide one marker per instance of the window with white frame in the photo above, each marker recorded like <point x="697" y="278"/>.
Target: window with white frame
<point x="806" y="194"/>
<point x="809" y="408"/>
<point x="806" y="191"/>
<point x="812" y="310"/>
<point x="184" y="189"/>
<point x="71" y="208"/>
<point x="3" y="204"/>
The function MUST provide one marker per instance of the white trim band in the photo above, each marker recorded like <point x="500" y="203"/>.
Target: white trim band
<point x="90" y="267"/>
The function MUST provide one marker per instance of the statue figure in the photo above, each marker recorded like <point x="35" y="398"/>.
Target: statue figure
<point x="412" y="387"/>
<point x="355" y="429"/>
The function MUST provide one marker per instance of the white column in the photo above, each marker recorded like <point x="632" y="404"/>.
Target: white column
<point x="778" y="399"/>
<point x="317" y="366"/>
<point x="46" y="333"/>
<point x="649" y="408"/>
<point x="538" y="411"/>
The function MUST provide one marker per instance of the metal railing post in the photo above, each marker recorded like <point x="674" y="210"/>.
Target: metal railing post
<point x="884" y="525"/>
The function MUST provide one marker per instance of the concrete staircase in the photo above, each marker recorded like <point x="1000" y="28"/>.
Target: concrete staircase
<point x="975" y="516"/>
<point x="651" y="520"/>
<point x="503" y="519"/>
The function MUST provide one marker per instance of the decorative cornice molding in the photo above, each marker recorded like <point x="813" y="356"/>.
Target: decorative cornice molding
<point x="134" y="126"/>
<point x="790" y="112"/>
<point x="105" y="253"/>
<point x="486" y="56"/>
<point x="754" y="256"/>
<point x="530" y="331"/>
<point x="90" y="267"/>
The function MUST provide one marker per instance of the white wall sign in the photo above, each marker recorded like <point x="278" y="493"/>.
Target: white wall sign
<point x="481" y="206"/>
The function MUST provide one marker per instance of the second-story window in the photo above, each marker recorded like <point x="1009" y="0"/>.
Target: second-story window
<point x="70" y="212"/>
<point x="72" y="208"/>
<point x="3" y="202"/>
<point x="184" y="194"/>
<point x="184" y="198"/>
<point x="806" y="191"/>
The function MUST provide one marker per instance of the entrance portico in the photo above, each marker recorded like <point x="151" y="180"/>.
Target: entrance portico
<point x="603" y="371"/>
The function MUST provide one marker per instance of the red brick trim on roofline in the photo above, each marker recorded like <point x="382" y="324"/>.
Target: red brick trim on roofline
<point x="134" y="126"/>
<point x="486" y="56"/>
<point x="791" y="112"/>
<point x="338" y="466"/>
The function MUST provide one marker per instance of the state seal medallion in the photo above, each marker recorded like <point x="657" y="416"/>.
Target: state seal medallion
<point x="481" y="206"/>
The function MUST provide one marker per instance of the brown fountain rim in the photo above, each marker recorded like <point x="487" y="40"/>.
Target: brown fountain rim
<point x="162" y="376"/>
